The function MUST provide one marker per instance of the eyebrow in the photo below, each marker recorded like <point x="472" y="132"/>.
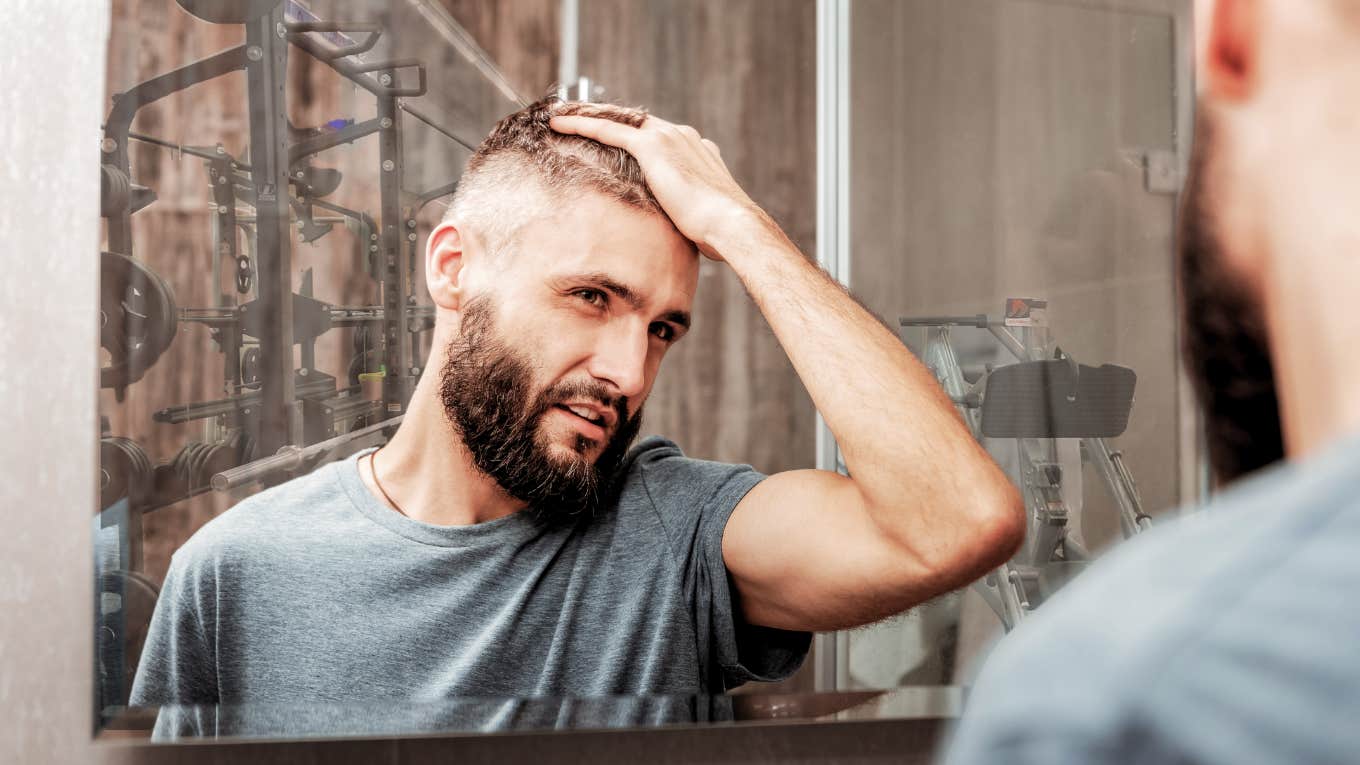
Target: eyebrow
<point x="628" y="295"/>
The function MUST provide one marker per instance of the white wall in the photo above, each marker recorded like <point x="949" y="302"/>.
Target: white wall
<point x="52" y="66"/>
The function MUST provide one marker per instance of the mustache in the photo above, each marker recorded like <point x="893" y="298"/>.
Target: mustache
<point x="582" y="390"/>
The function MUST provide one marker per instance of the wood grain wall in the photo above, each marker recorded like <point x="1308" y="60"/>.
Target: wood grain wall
<point x="743" y="74"/>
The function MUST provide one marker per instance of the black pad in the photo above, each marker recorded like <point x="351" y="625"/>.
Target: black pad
<point x="228" y="11"/>
<point x="1057" y="399"/>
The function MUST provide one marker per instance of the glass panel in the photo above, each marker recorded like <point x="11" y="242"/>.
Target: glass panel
<point x="270" y="183"/>
<point x="267" y="210"/>
<point x="1001" y="151"/>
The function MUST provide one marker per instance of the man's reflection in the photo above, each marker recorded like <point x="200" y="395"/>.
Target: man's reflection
<point x="507" y="542"/>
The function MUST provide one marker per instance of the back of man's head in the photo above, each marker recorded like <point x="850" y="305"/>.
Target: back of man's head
<point x="524" y="169"/>
<point x="1269" y="235"/>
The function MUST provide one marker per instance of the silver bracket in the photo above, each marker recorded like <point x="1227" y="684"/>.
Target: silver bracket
<point x="1162" y="173"/>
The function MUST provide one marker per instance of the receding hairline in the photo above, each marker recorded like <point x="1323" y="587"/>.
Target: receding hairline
<point x="536" y="202"/>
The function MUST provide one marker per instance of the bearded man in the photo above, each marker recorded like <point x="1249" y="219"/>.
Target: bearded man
<point x="508" y="541"/>
<point x="1231" y="635"/>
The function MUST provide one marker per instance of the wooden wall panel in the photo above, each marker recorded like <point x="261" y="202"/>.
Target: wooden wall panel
<point x="522" y="37"/>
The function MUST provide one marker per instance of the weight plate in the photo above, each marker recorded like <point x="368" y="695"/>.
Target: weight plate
<point x="125" y="470"/>
<point x="115" y="472"/>
<point x="137" y="318"/>
<point x="250" y="366"/>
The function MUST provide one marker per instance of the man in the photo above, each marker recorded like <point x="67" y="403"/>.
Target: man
<point x="507" y="541"/>
<point x="1232" y="636"/>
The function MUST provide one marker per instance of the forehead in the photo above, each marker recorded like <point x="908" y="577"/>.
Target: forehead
<point x="592" y="234"/>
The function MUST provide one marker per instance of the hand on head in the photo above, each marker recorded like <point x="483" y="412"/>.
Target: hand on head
<point x="685" y="171"/>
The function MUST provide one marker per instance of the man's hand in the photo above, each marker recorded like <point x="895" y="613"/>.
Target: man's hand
<point x="684" y="170"/>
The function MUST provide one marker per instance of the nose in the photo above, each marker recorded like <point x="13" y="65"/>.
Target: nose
<point x="620" y="358"/>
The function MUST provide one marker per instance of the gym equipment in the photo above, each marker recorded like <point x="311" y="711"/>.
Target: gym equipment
<point x="277" y="415"/>
<point x="124" y="603"/>
<point x="137" y="319"/>
<point x="124" y="471"/>
<point x="228" y="11"/>
<point x="278" y="190"/>
<point x="1044" y="396"/>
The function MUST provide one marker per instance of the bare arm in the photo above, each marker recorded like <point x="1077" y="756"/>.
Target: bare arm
<point x="925" y="509"/>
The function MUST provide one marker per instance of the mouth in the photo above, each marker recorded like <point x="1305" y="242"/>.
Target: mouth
<point x="590" y="421"/>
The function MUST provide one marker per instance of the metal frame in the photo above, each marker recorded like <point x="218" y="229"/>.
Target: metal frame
<point x="119" y="122"/>
<point x="266" y="73"/>
<point x="394" y="260"/>
<point x="833" y="240"/>
<point x="569" y="58"/>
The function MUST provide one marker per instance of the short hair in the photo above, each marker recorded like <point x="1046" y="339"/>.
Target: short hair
<point x="523" y="167"/>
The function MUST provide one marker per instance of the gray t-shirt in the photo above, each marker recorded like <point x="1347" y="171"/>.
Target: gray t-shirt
<point x="1229" y="636"/>
<point x="315" y="591"/>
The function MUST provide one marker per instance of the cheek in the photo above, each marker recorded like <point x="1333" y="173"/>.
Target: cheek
<point x="653" y="373"/>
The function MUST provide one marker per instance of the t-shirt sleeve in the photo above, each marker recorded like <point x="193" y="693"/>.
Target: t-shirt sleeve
<point x="177" y="665"/>
<point x="694" y="499"/>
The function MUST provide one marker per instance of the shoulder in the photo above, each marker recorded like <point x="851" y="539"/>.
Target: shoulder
<point x="264" y="520"/>
<point x="1166" y="623"/>
<point x="659" y="463"/>
<point x="652" y="449"/>
<point x="683" y="494"/>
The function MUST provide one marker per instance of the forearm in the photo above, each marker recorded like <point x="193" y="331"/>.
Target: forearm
<point x="924" y="478"/>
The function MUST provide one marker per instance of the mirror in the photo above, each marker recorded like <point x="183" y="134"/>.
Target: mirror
<point x="271" y="171"/>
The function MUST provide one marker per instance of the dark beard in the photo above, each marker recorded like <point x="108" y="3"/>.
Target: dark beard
<point x="487" y="392"/>
<point x="1225" y="345"/>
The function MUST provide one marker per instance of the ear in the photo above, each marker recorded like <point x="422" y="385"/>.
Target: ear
<point x="445" y="258"/>
<point x="1232" y="50"/>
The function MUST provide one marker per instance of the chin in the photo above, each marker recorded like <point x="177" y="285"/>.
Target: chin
<point x="564" y="447"/>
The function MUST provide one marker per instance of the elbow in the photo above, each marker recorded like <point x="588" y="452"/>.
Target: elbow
<point x="1003" y="531"/>
<point x="995" y="531"/>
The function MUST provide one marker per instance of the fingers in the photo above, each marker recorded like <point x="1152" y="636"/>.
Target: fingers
<point x="687" y="132"/>
<point x="598" y="129"/>
<point x="629" y="138"/>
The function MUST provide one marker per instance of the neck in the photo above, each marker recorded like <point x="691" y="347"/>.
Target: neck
<point x="428" y="472"/>
<point x="1314" y="326"/>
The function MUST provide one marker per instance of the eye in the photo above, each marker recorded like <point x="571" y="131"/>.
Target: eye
<point x="591" y="296"/>
<point x="664" y="331"/>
